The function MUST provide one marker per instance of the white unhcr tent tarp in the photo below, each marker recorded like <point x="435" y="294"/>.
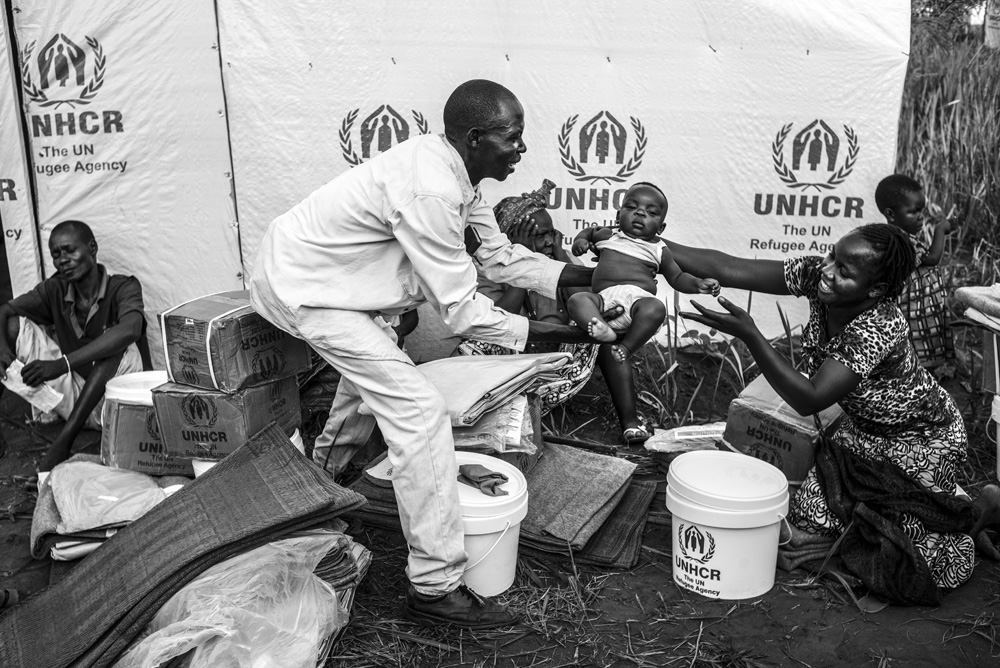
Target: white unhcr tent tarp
<point x="767" y="123"/>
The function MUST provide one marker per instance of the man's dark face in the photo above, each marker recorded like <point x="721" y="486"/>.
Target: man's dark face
<point x="500" y="144"/>
<point x="72" y="257"/>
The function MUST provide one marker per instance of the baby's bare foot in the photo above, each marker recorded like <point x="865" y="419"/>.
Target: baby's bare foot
<point x="598" y="329"/>
<point x="620" y="352"/>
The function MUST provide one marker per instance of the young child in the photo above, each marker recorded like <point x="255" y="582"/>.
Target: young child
<point x="629" y="259"/>
<point x="901" y="200"/>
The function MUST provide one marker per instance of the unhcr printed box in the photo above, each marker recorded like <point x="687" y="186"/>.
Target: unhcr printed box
<point x="219" y="342"/>
<point x="131" y="440"/>
<point x="762" y="425"/>
<point x="196" y="423"/>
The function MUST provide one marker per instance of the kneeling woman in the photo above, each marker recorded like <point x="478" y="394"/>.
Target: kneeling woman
<point x="857" y="353"/>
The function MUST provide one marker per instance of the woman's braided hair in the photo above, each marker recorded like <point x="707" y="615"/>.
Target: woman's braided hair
<point x="894" y="253"/>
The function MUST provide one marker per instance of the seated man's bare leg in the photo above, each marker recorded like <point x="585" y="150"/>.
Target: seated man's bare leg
<point x="585" y="309"/>
<point x="647" y="318"/>
<point x="91" y="394"/>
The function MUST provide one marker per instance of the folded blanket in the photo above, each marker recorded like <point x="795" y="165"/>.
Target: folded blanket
<point x="988" y="321"/>
<point x="572" y="492"/>
<point x="263" y="491"/>
<point x="473" y="385"/>
<point x="616" y="544"/>
<point x="983" y="298"/>
<point x="789" y="560"/>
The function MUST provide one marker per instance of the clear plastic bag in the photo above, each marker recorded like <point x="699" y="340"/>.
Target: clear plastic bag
<point x="261" y="609"/>
<point x="90" y="495"/>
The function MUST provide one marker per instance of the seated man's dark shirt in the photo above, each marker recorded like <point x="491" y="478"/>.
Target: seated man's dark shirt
<point x="51" y="304"/>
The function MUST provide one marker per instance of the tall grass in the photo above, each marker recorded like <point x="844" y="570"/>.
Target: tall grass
<point x="949" y="129"/>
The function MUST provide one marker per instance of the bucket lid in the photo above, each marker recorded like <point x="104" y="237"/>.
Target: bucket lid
<point x="135" y="388"/>
<point x="727" y="480"/>
<point x="477" y="504"/>
<point x="474" y="502"/>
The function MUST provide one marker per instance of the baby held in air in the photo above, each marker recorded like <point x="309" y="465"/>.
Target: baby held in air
<point x="629" y="258"/>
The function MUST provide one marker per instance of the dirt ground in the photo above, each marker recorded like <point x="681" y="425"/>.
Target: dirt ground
<point x="580" y="616"/>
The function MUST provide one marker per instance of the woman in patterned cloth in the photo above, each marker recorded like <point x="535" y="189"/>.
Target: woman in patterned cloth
<point x="524" y="220"/>
<point x="857" y="352"/>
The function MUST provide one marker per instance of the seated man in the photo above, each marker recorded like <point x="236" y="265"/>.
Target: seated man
<point x="76" y="331"/>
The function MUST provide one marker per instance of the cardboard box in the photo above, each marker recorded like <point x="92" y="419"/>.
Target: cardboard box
<point x="196" y="423"/>
<point x="131" y="440"/>
<point x="219" y="342"/>
<point x="991" y="368"/>
<point x="762" y="425"/>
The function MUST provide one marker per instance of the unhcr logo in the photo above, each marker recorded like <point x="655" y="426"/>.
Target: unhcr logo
<point x="267" y="363"/>
<point x="62" y="72"/>
<point x="378" y="132"/>
<point x="820" y="160"/>
<point x="199" y="411"/>
<point x="152" y="426"/>
<point x="597" y="150"/>
<point x="189" y="375"/>
<point x="70" y="75"/>
<point x="695" y="545"/>
<point x="766" y="454"/>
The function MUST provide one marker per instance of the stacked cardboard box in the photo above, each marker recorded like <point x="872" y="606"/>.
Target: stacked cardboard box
<point x="131" y="440"/>
<point x="130" y="437"/>
<point x="232" y="374"/>
<point x="218" y="342"/>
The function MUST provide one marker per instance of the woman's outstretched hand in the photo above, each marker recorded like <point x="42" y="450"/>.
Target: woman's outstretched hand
<point x="735" y="321"/>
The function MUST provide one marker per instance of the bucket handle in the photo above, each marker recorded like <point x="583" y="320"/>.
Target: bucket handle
<point x="784" y="520"/>
<point x="493" y="547"/>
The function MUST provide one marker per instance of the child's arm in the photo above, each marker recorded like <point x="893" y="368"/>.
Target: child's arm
<point x="936" y="249"/>
<point x="588" y="237"/>
<point x="683" y="281"/>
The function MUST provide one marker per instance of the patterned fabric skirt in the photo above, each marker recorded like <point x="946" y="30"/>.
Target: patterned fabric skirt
<point x="933" y="458"/>
<point x="563" y="384"/>
<point x="924" y="303"/>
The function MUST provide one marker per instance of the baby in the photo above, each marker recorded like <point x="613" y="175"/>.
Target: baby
<point x="629" y="259"/>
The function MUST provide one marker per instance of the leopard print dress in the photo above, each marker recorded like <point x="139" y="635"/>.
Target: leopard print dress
<point x="898" y="413"/>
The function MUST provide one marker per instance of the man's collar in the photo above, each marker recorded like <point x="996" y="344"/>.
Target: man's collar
<point x="469" y="191"/>
<point x="70" y="295"/>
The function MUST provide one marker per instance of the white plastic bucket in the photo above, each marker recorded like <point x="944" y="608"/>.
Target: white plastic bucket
<point x="727" y="511"/>
<point x="134" y="388"/>
<point x="492" y="526"/>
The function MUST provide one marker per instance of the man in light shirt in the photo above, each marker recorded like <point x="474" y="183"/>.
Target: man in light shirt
<point x="404" y="228"/>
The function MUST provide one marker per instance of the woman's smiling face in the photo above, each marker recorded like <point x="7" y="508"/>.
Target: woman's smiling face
<point x="848" y="274"/>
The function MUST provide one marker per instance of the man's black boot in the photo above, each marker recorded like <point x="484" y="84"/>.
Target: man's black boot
<point x="462" y="608"/>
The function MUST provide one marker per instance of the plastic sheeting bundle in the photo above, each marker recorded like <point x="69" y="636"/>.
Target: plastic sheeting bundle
<point x="262" y="492"/>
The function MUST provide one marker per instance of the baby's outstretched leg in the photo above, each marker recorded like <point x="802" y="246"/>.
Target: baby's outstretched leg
<point x="647" y="317"/>
<point x="585" y="309"/>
